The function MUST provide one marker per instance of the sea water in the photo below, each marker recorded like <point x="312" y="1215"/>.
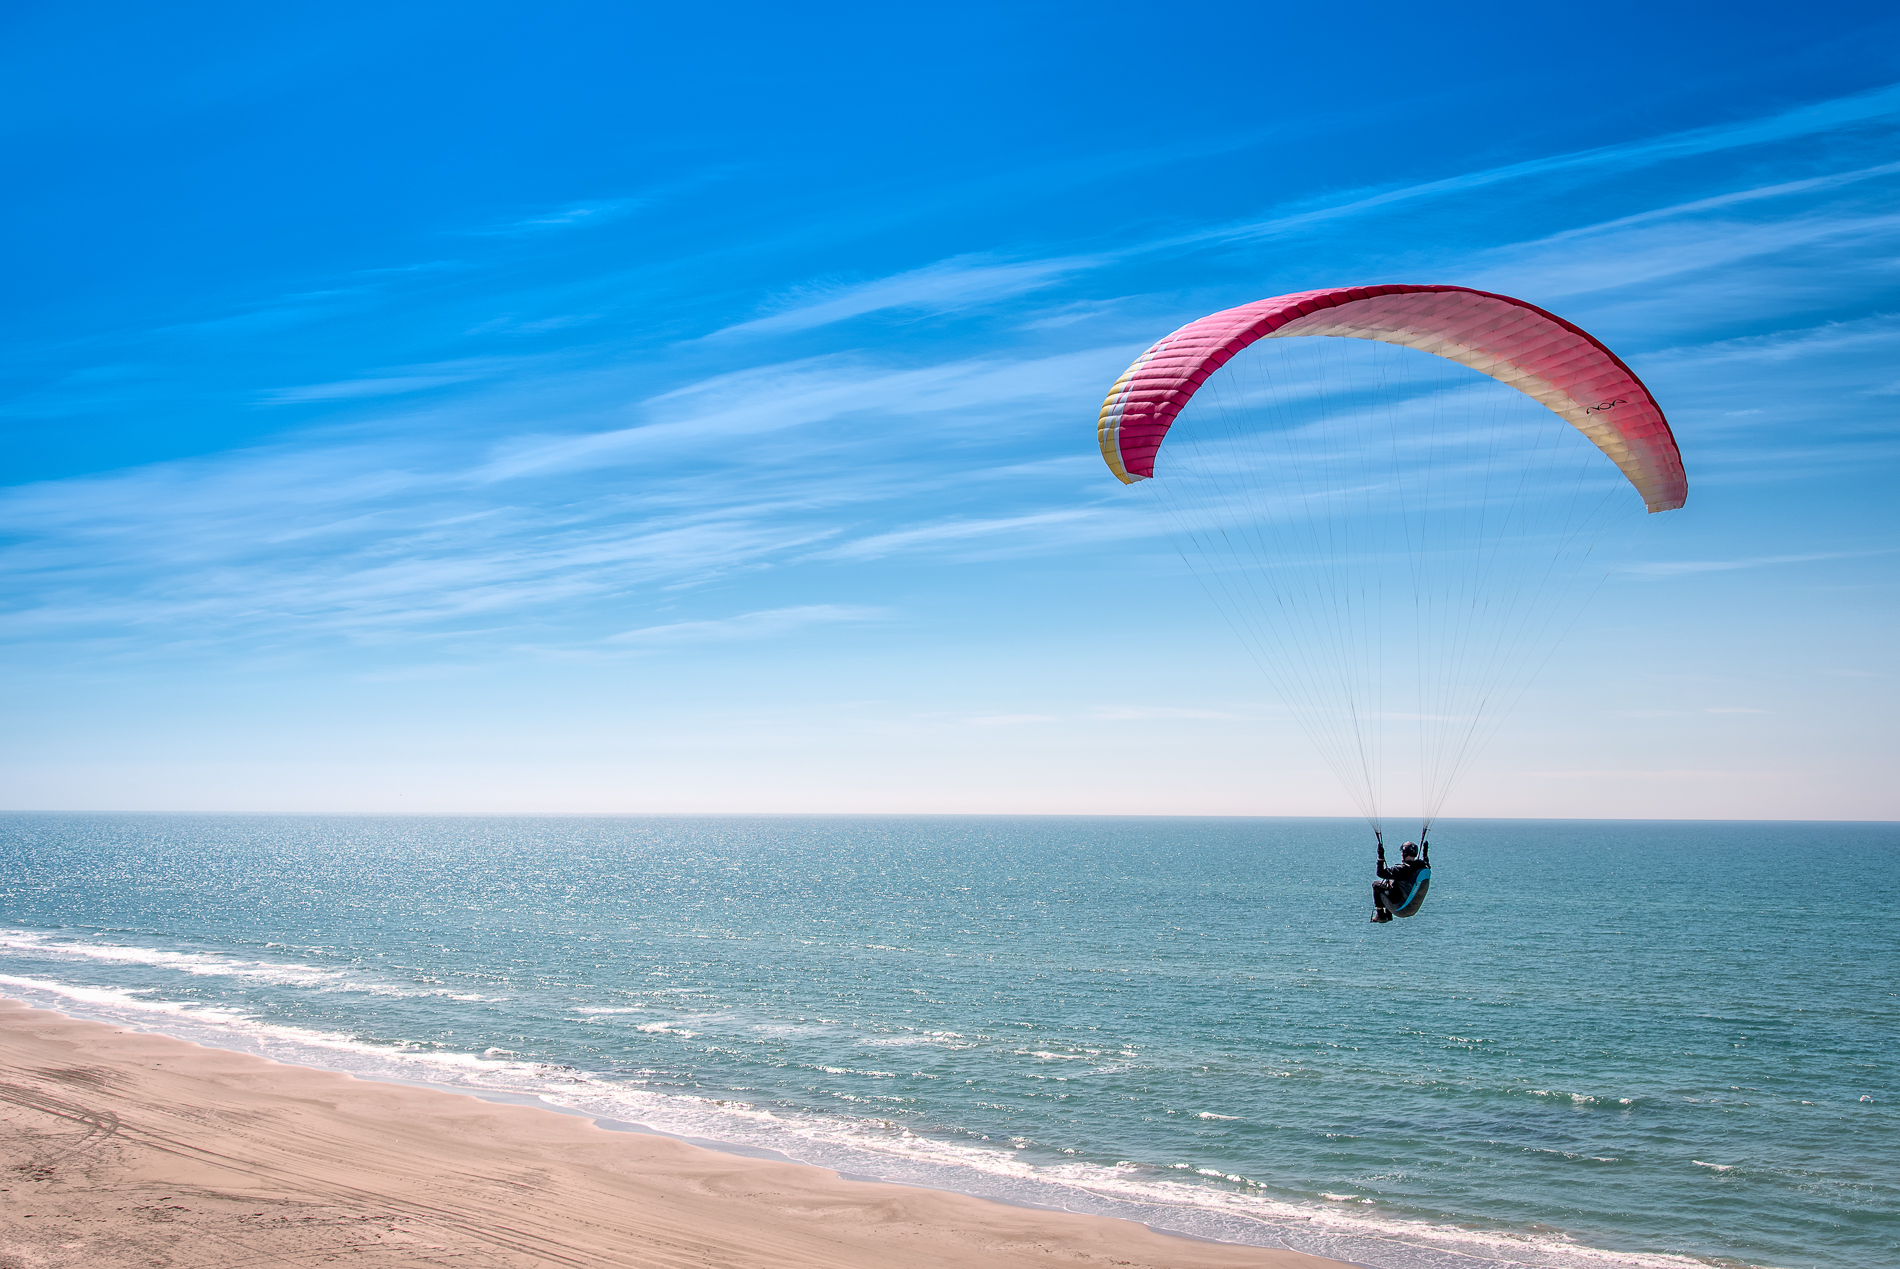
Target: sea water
<point x="1599" y="1043"/>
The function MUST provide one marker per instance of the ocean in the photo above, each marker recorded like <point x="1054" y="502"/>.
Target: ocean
<point x="1600" y="1043"/>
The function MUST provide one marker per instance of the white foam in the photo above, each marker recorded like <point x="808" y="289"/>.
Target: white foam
<point x="1581" y="1099"/>
<point x="850" y="1070"/>
<point x="200" y="963"/>
<point x="1231" y="1208"/>
<point x="216" y="965"/>
<point x="941" y="1039"/>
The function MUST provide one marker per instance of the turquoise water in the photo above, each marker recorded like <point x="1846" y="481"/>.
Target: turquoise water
<point x="1599" y="1043"/>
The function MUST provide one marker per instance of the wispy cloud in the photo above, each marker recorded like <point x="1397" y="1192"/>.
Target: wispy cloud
<point x="366" y="542"/>
<point x="1165" y="713"/>
<point x="544" y="489"/>
<point x="1859" y="335"/>
<point x="1647" y="246"/>
<point x="406" y="539"/>
<point x="1801" y="122"/>
<point x="1732" y="199"/>
<point x="767" y="624"/>
<point x="1008" y="720"/>
<point x="515" y="324"/>
<point x="1638" y="251"/>
<point x="1658" y="776"/>
<point x="1017" y="528"/>
<point x="1678" y="568"/>
<point x="350" y="389"/>
<point x="1070" y="314"/>
<point x="802" y="394"/>
<point x="945" y="287"/>
<point x="572" y="216"/>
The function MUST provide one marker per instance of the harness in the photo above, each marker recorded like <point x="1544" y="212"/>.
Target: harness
<point x="1414" y="897"/>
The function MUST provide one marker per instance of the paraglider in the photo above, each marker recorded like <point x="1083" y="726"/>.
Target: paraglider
<point x="1400" y="542"/>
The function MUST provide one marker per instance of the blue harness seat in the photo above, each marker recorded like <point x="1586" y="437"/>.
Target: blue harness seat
<point x="1409" y="904"/>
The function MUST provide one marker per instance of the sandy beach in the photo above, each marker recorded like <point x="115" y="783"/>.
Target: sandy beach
<point x="123" y="1148"/>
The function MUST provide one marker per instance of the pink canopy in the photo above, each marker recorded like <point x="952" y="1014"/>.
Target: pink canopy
<point x="1516" y="343"/>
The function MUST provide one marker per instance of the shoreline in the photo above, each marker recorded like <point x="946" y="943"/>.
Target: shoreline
<point x="129" y="1143"/>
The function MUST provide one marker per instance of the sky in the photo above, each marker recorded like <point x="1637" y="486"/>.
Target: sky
<point x="586" y="407"/>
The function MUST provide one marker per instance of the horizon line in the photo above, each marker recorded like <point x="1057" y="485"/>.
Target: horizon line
<point x="1071" y="815"/>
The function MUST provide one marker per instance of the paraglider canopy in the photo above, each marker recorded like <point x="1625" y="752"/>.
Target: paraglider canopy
<point x="1399" y="541"/>
<point x="1538" y="353"/>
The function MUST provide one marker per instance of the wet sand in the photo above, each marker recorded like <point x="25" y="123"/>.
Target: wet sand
<point x="126" y="1149"/>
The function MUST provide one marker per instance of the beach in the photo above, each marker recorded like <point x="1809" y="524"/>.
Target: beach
<point x="125" y="1148"/>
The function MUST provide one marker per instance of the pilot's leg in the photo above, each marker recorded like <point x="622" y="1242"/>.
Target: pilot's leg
<point x="1381" y="900"/>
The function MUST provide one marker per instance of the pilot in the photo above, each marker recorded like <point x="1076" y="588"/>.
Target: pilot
<point x="1396" y="887"/>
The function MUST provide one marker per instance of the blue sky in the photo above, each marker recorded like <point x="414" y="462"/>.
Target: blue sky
<point x="613" y="408"/>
